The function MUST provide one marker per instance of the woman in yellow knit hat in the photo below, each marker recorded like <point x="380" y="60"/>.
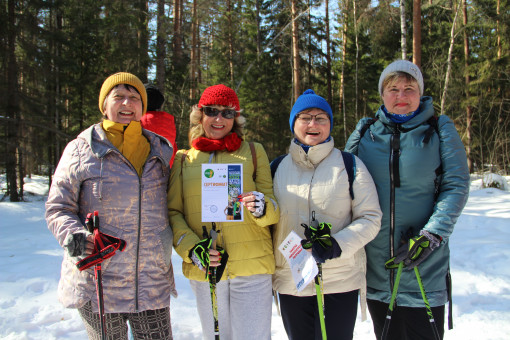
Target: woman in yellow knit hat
<point x="120" y="170"/>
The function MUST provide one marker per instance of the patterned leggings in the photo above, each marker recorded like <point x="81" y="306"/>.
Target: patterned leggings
<point x="149" y="324"/>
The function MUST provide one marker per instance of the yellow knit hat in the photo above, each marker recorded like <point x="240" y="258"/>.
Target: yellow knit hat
<point x="122" y="78"/>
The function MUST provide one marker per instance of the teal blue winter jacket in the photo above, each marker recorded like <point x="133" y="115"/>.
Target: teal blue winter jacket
<point x="421" y="164"/>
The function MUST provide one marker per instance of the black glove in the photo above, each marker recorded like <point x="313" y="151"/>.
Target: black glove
<point x="223" y="263"/>
<point x="199" y="254"/>
<point x="75" y="244"/>
<point x="318" y="238"/>
<point x="415" y="251"/>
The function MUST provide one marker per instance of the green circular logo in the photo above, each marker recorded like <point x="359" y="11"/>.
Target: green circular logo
<point x="209" y="173"/>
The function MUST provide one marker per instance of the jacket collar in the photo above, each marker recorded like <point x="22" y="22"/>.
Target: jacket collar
<point x="100" y="145"/>
<point x="314" y="156"/>
<point x="427" y="111"/>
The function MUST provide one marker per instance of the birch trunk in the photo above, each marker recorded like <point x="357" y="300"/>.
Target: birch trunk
<point x="295" y="51"/>
<point x="449" y="62"/>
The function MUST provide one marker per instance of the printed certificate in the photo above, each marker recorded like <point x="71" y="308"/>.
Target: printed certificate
<point x="301" y="263"/>
<point x="221" y="184"/>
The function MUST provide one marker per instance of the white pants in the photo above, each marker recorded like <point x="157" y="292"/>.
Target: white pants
<point x="244" y="307"/>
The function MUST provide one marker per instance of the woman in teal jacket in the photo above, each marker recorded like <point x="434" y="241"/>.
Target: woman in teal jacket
<point x="419" y="166"/>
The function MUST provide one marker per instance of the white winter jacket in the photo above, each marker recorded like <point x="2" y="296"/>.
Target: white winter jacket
<point x="317" y="181"/>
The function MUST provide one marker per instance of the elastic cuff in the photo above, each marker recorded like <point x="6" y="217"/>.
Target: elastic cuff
<point x="435" y="240"/>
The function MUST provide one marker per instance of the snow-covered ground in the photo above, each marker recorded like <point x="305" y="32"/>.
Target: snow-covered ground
<point x="30" y="261"/>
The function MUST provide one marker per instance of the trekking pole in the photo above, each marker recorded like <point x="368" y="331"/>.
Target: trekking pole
<point x="427" y="305"/>
<point x="93" y="227"/>
<point x="319" y="288"/>
<point x="319" y="291"/>
<point x="211" y="273"/>
<point x="387" y="322"/>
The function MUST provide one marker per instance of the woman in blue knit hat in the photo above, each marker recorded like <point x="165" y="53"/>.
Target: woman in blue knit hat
<point x="312" y="187"/>
<point x="419" y="166"/>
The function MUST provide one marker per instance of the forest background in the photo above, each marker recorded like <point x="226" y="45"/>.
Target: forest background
<point x="55" y="54"/>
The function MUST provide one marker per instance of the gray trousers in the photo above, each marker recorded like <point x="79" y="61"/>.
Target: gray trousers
<point x="244" y="307"/>
<point x="149" y="324"/>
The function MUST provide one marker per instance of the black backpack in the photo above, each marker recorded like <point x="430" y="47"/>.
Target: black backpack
<point x="349" y="161"/>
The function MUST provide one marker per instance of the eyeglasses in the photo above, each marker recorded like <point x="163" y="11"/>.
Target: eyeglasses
<point x="321" y="119"/>
<point x="213" y="112"/>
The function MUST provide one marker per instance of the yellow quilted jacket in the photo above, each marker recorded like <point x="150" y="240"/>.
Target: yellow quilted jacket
<point x="247" y="243"/>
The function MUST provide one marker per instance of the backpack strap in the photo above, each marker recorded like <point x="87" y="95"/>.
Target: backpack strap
<point x="254" y="158"/>
<point x="433" y="126"/>
<point x="274" y="164"/>
<point x="365" y="127"/>
<point x="184" y="154"/>
<point x="350" y="167"/>
<point x="432" y="121"/>
<point x="349" y="161"/>
<point x="450" y="303"/>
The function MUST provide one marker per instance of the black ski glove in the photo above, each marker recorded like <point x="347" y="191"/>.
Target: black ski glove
<point x="415" y="251"/>
<point x="76" y="244"/>
<point x="318" y="238"/>
<point x="199" y="254"/>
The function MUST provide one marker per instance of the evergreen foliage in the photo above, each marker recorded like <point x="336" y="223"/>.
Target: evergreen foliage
<point x="56" y="54"/>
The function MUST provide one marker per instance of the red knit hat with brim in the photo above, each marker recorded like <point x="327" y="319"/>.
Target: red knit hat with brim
<point x="219" y="95"/>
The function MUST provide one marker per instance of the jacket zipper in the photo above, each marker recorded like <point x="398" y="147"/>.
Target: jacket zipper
<point x="138" y="242"/>
<point x="137" y="262"/>
<point x="140" y="188"/>
<point x="394" y="182"/>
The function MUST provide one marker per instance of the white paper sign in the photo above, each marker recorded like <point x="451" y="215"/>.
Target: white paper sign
<point x="302" y="264"/>
<point x="221" y="184"/>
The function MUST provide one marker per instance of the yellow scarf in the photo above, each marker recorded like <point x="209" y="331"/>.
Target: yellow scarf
<point x="128" y="139"/>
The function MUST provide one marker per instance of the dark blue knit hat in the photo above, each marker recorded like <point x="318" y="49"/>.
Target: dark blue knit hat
<point x="309" y="100"/>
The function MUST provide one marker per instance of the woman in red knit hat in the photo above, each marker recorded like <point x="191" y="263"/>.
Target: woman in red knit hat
<point x="243" y="257"/>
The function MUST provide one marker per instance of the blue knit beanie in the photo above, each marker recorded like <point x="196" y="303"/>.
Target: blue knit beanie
<point x="309" y="100"/>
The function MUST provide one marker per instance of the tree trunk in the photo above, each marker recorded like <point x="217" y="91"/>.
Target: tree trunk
<point x="309" y="69"/>
<point x="12" y="109"/>
<point x="259" y="39"/>
<point x="498" y="33"/>
<point x="357" y="57"/>
<point x="198" y="57"/>
<point x="58" y="90"/>
<point x="469" y="111"/>
<point x="328" y="55"/>
<point x="295" y="51"/>
<point x="161" y="46"/>
<point x="449" y="62"/>
<point x="143" y="40"/>
<point x="230" y="43"/>
<point x="177" y="41"/>
<point x="403" y="33"/>
<point x="193" y="51"/>
<point x="341" y="107"/>
<point x="417" y="32"/>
